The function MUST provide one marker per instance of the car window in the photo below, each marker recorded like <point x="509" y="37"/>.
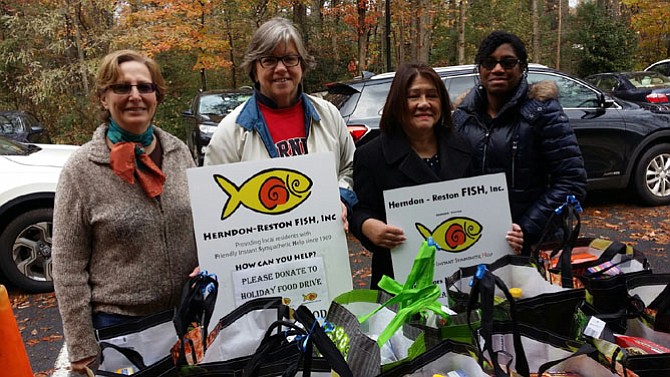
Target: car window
<point x="571" y="93"/>
<point x="221" y="104"/>
<point x="663" y="68"/>
<point x="371" y="101"/>
<point x="10" y="148"/>
<point x="459" y="85"/>
<point x="17" y="122"/>
<point x="605" y="83"/>
<point x="7" y="126"/>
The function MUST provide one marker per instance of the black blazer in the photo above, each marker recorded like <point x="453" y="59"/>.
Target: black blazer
<point x="388" y="162"/>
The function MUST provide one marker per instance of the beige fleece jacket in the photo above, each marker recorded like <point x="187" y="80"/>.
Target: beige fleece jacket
<point x="116" y="250"/>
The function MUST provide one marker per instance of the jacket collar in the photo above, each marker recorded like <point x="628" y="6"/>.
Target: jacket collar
<point x="454" y="158"/>
<point x="475" y="100"/>
<point x="250" y="117"/>
<point x="99" y="152"/>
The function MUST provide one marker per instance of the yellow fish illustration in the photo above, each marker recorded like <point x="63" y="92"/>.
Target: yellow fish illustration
<point x="271" y="191"/>
<point x="309" y="297"/>
<point x="454" y="235"/>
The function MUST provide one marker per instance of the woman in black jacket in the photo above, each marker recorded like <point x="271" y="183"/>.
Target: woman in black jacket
<point x="417" y="145"/>
<point x="521" y="129"/>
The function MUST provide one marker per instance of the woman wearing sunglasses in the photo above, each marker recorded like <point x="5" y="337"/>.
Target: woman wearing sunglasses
<point x="123" y="241"/>
<point x="521" y="130"/>
<point x="279" y="120"/>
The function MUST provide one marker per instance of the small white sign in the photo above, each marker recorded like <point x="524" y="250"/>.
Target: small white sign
<point x="272" y="228"/>
<point x="297" y="278"/>
<point x="468" y="219"/>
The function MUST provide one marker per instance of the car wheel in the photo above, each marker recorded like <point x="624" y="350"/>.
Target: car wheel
<point x="652" y="176"/>
<point x="25" y="250"/>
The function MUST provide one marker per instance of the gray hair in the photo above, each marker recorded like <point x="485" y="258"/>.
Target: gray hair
<point x="266" y="39"/>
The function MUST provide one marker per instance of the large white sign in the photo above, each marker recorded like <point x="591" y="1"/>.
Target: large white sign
<point x="271" y="228"/>
<point x="468" y="219"/>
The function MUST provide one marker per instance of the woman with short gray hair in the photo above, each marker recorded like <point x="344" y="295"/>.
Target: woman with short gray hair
<point x="280" y="120"/>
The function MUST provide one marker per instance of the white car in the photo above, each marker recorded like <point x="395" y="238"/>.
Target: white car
<point x="28" y="177"/>
<point x="661" y="66"/>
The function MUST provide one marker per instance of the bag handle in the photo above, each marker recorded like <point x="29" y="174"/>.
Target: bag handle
<point x="570" y="222"/>
<point x="271" y="342"/>
<point x="324" y="344"/>
<point x="483" y="288"/>
<point x="197" y="302"/>
<point x="130" y="354"/>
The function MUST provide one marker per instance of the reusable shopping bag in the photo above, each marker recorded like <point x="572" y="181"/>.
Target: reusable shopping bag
<point x="627" y="360"/>
<point x="654" y="291"/>
<point x="440" y="359"/>
<point x="141" y="347"/>
<point x="539" y="303"/>
<point x="511" y="348"/>
<point x="631" y="332"/>
<point x="240" y="332"/>
<point x="573" y="261"/>
<point x="286" y="348"/>
<point x="371" y="328"/>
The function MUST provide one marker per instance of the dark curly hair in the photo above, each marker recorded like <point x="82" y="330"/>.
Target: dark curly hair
<point x="500" y="37"/>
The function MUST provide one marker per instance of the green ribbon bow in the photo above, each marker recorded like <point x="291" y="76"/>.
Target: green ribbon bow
<point x="416" y="296"/>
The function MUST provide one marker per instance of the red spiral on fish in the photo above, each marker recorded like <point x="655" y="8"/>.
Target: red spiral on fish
<point x="455" y="236"/>
<point x="273" y="192"/>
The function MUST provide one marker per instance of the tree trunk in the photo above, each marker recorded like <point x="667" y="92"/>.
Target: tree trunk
<point x="461" y="32"/>
<point x="231" y="55"/>
<point x="81" y="59"/>
<point x="537" y="55"/>
<point x="559" y="31"/>
<point x="423" y="31"/>
<point x="362" y="35"/>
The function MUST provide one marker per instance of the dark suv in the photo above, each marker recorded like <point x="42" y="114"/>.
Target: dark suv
<point x="623" y="144"/>
<point x="207" y="109"/>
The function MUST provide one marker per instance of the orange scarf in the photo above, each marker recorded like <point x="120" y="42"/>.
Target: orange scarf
<point x="128" y="159"/>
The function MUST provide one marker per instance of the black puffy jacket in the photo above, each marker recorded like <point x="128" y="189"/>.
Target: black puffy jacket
<point x="530" y="140"/>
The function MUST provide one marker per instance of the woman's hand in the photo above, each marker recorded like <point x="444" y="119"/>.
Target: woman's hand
<point x="344" y="218"/>
<point x="382" y="234"/>
<point x="514" y="238"/>
<point x="80" y="366"/>
<point x="195" y="271"/>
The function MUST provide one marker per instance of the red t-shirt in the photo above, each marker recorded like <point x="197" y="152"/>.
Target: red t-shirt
<point x="287" y="128"/>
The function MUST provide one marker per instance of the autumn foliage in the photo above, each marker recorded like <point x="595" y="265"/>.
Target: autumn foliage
<point x="50" y="48"/>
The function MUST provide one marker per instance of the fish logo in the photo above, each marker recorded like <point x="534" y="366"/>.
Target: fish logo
<point x="309" y="297"/>
<point x="453" y="235"/>
<point x="271" y="191"/>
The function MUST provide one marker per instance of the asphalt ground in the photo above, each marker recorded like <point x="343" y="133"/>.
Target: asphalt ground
<point x="611" y="215"/>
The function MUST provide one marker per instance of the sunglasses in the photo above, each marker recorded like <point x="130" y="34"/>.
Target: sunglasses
<point x="272" y="61"/>
<point x="144" y="88"/>
<point x="506" y="63"/>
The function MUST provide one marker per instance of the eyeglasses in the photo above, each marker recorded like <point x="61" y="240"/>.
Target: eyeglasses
<point x="506" y="63"/>
<point x="144" y="87"/>
<point x="272" y="61"/>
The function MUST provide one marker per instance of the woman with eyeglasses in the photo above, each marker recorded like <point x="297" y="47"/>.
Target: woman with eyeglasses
<point x="123" y="243"/>
<point x="417" y="145"/>
<point x="280" y="120"/>
<point x="521" y="130"/>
